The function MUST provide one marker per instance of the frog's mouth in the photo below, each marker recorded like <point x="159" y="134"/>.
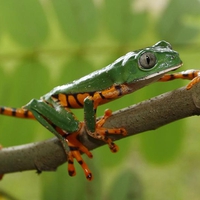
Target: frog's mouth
<point x="158" y="75"/>
<point x="140" y="83"/>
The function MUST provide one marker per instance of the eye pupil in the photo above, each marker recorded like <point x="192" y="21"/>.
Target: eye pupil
<point x="147" y="60"/>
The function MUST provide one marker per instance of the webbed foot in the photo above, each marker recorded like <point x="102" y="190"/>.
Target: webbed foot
<point x="103" y="133"/>
<point x="76" y="147"/>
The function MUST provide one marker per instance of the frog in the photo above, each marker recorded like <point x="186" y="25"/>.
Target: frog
<point x="127" y="74"/>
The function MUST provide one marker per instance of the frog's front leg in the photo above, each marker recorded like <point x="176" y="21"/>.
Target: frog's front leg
<point x="95" y="128"/>
<point x="193" y="75"/>
<point x="62" y="124"/>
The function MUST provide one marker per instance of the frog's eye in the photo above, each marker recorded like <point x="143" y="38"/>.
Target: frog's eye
<point x="147" y="60"/>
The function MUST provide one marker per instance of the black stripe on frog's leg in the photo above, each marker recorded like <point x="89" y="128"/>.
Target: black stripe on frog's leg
<point x="16" y="112"/>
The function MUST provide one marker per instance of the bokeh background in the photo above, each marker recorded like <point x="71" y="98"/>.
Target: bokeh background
<point x="45" y="43"/>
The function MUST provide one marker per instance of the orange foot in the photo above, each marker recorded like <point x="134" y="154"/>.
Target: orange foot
<point x="102" y="133"/>
<point x="193" y="82"/>
<point x="76" y="148"/>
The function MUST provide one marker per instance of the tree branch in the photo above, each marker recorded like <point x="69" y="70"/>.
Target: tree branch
<point x="147" y="115"/>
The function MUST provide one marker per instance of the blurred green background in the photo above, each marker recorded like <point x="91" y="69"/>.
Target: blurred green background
<point x="51" y="42"/>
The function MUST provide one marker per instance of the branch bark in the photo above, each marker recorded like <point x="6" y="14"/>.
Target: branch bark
<point x="147" y="115"/>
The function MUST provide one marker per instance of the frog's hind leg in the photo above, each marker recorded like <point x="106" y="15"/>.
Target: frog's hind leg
<point x="16" y="112"/>
<point x="63" y="125"/>
<point x="193" y="75"/>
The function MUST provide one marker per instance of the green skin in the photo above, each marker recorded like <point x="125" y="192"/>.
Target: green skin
<point x="136" y="70"/>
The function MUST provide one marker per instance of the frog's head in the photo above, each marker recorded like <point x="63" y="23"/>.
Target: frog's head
<point x="149" y="64"/>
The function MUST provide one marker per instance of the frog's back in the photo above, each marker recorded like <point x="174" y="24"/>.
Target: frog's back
<point x="96" y="81"/>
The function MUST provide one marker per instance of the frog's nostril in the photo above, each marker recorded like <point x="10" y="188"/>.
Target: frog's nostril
<point x="173" y="57"/>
